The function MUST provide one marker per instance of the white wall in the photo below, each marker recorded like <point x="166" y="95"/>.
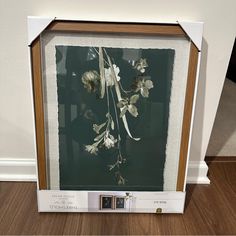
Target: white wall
<point x="16" y="116"/>
<point x="223" y="136"/>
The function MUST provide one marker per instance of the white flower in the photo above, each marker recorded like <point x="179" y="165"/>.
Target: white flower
<point x="91" y="80"/>
<point x="97" y="128"/>
<point x="109" y="140"/>
<point x="128" y="104"/>
<point x="144" y="86"/>
<point x="91" y="149"/>
<point x="133" y="110"/>
<point x="108" y="75"/>
<point x="141" y="64"/>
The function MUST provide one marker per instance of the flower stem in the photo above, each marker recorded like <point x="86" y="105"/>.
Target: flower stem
<point x="117" y="123"/>
<point x="102" y="58"/>
<point x="125" y="91"/>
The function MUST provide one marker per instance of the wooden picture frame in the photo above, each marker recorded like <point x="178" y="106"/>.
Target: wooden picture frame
<point x="113" y="29"/>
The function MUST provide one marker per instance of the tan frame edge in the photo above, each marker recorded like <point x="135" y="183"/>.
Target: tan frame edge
<point x="115" y="28"/>
<point x="39" y="111"/>
<point x="188" y="107"/>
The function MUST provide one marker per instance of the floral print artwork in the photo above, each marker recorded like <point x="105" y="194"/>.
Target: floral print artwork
<point x="108" y="83"/>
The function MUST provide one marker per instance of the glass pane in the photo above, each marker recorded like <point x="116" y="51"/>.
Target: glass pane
<point x="114" y="110"/>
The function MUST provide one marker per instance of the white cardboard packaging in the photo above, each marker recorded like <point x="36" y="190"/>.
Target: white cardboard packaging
<point x="87" y="201"/>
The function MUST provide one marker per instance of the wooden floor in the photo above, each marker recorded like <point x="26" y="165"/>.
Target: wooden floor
<point x="210" y="209"/>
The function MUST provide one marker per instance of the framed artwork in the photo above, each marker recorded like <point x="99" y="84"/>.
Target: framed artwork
<point x="106" y="202"/>
<point x="113" y="114"/>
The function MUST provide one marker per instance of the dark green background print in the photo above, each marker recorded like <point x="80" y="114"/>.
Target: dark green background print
<point x="86" y="165"/>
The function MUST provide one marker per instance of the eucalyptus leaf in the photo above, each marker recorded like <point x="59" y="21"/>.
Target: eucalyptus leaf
<point x="134" y="99"/>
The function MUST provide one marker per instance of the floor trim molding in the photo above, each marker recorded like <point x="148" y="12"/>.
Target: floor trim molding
<point x="22" y="169"/>
<point x="17" y="169"/>
<point x="197" y="173"/>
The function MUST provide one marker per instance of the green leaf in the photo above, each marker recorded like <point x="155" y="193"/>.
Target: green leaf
<point x="123" y="111"/>
<point x="134" y="99"/>
<point x="133" y="110"/>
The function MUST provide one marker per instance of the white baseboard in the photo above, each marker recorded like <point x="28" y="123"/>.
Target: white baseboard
<point x="197" y="173"/>
<point x="19" y="169"/>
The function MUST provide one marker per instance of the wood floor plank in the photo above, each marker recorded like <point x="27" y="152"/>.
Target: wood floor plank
<point x="215" y="216"/>
<point x="210" y="210"/>
<point x="220" y="158"/>
<point x="172" y="224"/>
<point x="6" y="197"/>
<point x="194" y="223"/>
<point x="144" y="224"/>
<point x="74" y="223"/>
<point x="217" y="201"/>
<point x="14" y="218"/>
